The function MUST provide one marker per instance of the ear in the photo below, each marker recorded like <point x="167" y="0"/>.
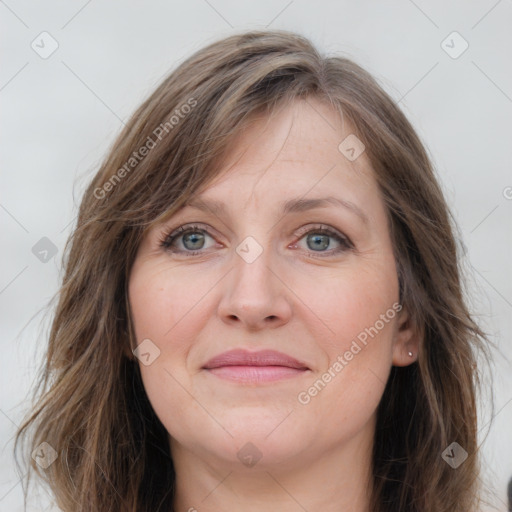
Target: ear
<point x="406" y="341"/>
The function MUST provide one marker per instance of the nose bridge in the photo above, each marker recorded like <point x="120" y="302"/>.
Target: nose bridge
<point x="252" y="266"/>
<point x="253" y="294"/>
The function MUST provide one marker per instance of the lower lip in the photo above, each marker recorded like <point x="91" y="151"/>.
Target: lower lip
<point x="254" y="374"/>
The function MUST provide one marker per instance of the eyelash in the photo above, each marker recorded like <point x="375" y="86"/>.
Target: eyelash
<point x="168" y="239"/>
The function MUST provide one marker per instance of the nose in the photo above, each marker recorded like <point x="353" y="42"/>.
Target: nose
<point x="255" y="296"/>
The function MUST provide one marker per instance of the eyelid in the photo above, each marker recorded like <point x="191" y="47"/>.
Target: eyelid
<point x="172" y="233"/>
<point x="188" y="225"/>
<point x="323" y="228"/>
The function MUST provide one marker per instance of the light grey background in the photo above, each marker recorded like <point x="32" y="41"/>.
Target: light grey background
<point x="60" y="115"/>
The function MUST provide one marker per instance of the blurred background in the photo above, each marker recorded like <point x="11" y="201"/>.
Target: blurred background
<point x="73" y="72"/>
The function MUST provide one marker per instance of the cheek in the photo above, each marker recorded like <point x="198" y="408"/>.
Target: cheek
<point x="357" y="303"/>
<point x="360" y="309"/>
<point x="163" y="301"/>
<point x="166" y="308"/>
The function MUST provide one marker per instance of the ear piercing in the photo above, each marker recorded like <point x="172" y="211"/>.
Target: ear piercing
<point x="410" y="354"/>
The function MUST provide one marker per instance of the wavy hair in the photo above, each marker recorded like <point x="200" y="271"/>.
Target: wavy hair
<point x="90" y="405"/>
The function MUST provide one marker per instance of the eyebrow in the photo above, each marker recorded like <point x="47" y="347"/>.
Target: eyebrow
<point x="296" y="205"/>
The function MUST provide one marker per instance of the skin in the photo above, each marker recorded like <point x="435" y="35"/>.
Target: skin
<point x="305" y="301"/>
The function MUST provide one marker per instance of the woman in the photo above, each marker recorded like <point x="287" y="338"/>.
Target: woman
<point x="262" y="305"/>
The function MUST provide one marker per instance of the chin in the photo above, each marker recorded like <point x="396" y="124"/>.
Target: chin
<point x="256" y="441"/>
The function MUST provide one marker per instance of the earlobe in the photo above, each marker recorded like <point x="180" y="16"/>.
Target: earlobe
<point x="406" y="342"/>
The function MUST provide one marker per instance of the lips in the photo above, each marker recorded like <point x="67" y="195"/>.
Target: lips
<point x="245" y="367"/>
<point x="262" y="358"/>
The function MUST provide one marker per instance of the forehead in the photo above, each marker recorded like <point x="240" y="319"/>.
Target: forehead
<point x="295" y="153"/>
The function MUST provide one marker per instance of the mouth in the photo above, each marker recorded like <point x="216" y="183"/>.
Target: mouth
<point x="243" y="366"/>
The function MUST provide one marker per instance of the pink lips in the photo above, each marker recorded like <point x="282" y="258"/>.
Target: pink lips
<point x="263" y="366"/>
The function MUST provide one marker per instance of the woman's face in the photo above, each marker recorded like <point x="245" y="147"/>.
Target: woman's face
<point x="287" y="251"/>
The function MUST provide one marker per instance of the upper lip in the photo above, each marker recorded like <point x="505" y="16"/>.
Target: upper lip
<point x="241" y="357"/>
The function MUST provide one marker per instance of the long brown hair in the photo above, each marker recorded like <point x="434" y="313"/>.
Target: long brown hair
<point x="92" y="409"/>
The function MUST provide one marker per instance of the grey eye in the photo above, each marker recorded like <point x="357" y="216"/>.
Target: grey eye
<point x="318" y="241"/>
<point x="195" y="239"/>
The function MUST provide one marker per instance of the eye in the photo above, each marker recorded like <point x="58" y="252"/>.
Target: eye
<point x="317" y="240"/>
<point x="191" y="238"/>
